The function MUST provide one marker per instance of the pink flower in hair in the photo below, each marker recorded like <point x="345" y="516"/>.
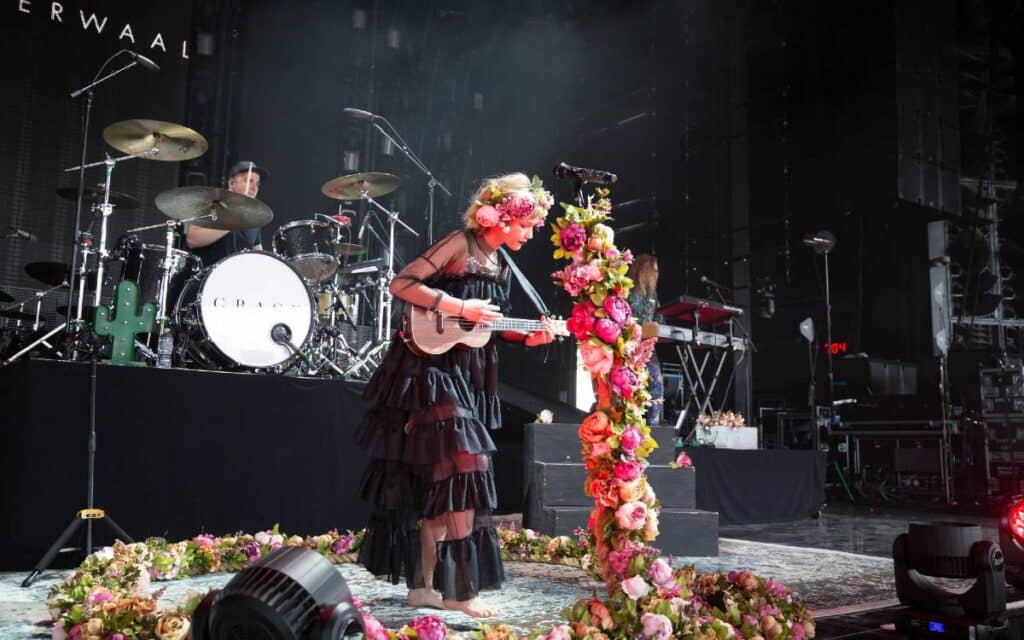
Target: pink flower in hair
<point x="516" y="205"/>
<point x="487" y="216"/>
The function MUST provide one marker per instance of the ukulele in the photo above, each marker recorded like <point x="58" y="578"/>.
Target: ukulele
<point x="430" y="333"/>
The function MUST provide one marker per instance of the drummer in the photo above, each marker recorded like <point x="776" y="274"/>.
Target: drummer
<point x="213" y="245"/>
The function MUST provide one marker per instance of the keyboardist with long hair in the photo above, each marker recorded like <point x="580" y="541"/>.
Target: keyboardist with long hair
<point x="643" y="299"/>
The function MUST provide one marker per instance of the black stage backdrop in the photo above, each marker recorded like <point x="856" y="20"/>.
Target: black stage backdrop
<point x="179" y="453"/>
<point x="49" y="49"/>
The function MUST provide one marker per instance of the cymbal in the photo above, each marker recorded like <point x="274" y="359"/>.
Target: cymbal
<point x="234" y="210"/>
<point x="173" y="142"/>
<point x="55" y="273"/>
<point x="347" y="249"/>
<point x="17" y="315"/>
<point x="5" y="297"/>
<point x="94" y="195"/>
<point x="351" y="187"/>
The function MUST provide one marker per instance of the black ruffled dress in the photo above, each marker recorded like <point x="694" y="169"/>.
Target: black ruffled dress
<point x="427" y="436"/>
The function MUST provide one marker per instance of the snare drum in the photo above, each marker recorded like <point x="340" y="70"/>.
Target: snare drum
<point x="226" y="313"/>
<point x="309" y="245"/>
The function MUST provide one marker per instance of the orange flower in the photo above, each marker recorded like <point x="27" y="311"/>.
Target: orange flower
<point x="595" y="428"/>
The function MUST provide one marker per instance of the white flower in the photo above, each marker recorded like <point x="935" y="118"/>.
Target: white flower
<point x="105" y="554"/>
<point x="262" y="537"/>
<point x="546" y="416"/>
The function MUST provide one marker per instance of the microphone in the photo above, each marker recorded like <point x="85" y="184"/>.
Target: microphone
<point x="362" y="227"/>
<point x="14" y="232"/>
<point x="359" y="114"/>
<point x="579" y="174"/>
<point x="711" y="283"/>
<point x="144" y="61"/>
<point x="820" y="241"/>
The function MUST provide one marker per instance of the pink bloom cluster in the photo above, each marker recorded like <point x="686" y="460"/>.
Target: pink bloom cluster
<point x="625" y="381"/>
<point x="573" y="237"/>
<point x="576" y="276"/>
<point x="429" y="628"/>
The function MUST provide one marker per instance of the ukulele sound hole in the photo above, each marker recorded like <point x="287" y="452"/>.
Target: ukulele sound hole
<point x="466" y="325"/>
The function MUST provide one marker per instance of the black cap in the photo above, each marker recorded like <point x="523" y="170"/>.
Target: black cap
<point x="245" y="165"/>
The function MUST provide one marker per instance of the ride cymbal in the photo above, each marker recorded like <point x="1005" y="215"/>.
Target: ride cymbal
<point x="94" y="196"/>
<point x="351" y="187"/>
<point x="166" y="141"/>
<point x="233" y="210"/>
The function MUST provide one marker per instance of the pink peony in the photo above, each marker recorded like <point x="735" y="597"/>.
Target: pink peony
<point x="575" y="277"/>
<point x="656" y="626"/>
<point x="100" y="596"/>
<point x="617" y="309"/>
<point x="205" y="541"/>
<point x="429" y="628"/>
<point x="628" y="470"/>
<point x="342" y="545"/>
<point x="776" y="588"/>
<point x="661" y="573"/>
<point x="631" y="439"/>
<point x="624" y="381"/>
<point x="487" y="216"/>
<point x="251" y="550"/>
<point x="572" y="237"/>
<point x="598" y="359"/>
<point x="516" y="205"/>
<point x="607" y="331"/>
<point x="635" y="587"/>
<point x="373" y="629"/>
<point x="561" y="632"/>
<point x="631" y="516"/>
<point x="683" y="460"/>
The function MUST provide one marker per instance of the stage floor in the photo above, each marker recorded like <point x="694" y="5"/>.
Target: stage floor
<point x="838" y="564"/>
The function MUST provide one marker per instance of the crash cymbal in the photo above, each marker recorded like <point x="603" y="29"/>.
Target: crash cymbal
<point x="234" y="210"/>
<point x="346" y="249"/>
<point x="55" y="273"/>
<point x="5" y="297"/>
<point x="94" y="195"/>
<point x="173" y="142"/>
<point x="17" y="315"/>
<point x="351" y="187"/>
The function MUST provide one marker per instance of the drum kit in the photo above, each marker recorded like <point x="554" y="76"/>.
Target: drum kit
<point x="313" y="306"/>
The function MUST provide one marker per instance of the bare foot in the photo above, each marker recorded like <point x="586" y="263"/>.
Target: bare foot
<point x="420" y="598"/>
<point x="476" y="607"/>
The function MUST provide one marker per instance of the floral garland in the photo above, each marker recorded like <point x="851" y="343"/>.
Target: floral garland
<point x="499" y="208"/>
<point x="721" y="418"/>
<point x="646" y="597"/>
<point x="106" y="599"/>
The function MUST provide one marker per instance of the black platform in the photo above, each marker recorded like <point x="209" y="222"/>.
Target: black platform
<point x="764" y="485"/>
<point x="179" y="452"/>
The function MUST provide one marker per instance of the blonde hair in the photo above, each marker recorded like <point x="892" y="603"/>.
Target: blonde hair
<point x="507" y="184"/>
<point x="642" y="273"/>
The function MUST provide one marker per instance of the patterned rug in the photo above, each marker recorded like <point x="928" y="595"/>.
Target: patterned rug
<point x="534" y="594"/>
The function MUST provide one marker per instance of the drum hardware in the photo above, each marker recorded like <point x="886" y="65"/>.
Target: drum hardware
<point x="397" y="140"/>
<point x="95" y="195"/>
<point x="214" y="208"/>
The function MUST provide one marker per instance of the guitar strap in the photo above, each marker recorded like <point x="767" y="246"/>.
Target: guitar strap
<point x="528" y="288"/>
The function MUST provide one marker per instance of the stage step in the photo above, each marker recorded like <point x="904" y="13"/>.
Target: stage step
<point x="683" y="532"/>
<point x="561" y="484"/>
<point x="561" y="443"/>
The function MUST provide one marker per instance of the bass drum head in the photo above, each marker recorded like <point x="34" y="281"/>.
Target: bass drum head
<point x="243" y="297"/>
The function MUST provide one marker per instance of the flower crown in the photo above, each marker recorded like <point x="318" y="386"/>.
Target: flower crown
<point x="498" y="207"/>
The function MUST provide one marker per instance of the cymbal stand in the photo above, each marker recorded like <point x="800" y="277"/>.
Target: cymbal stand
<point x="42" y="340"/>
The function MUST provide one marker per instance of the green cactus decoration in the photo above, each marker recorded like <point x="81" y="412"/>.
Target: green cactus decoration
<point x="126" y="322"/>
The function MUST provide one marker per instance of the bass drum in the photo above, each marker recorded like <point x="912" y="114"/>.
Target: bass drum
<point x="226" y="313"/>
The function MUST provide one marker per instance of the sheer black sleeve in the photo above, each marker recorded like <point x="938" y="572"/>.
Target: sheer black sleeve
<point x="448" y="255"/>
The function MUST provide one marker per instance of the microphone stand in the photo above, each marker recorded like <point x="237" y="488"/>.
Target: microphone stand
<point x="432" y="182"/>
<point x="88" y="91"/>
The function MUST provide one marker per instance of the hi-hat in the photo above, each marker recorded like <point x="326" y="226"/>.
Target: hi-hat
<point x="352" y="187"/>
<point x="234" y="210"/>
<point x="348" y="249"/>
<point x="94" y="195"/>
<point x="56" y="273"/>
<point x="168" y="142"/>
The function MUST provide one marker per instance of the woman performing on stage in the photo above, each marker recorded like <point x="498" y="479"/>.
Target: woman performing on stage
<point x="643" y="299"/>
<point x="430" y="478"/>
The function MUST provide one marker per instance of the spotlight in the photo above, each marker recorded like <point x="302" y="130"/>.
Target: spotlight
<point x="1011" y="539"/>
<point x="949" y="550"/>
<point x="290" y="594"/>
<point x="807" y="329"/>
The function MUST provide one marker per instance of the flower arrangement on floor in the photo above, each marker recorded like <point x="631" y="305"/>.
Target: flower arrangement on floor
<point x="721" y="418"/>
<point x="646" y="598"/>
<point x="107" y="597"/>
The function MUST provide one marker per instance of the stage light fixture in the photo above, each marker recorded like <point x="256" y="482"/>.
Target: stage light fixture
<point x="957" y="551"/>
<point x="1011" y="538"/>
<point x="293" y="593"/>
<point x="807" y="329"/>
